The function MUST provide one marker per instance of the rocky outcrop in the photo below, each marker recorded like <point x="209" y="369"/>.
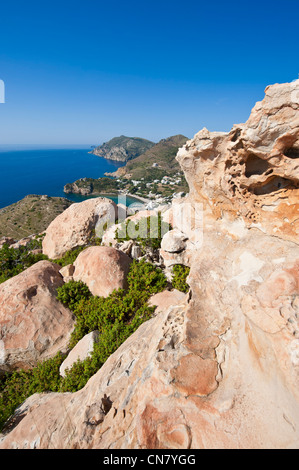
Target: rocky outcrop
<point x="76" y="225"/>
<point x="102" y="269"/>
<point x="81" y="351"/>
<point x="33" y="325"/>
<point x="219" y="370"/>
<point x="250" y="175"/>
<point x="123" y="148"/>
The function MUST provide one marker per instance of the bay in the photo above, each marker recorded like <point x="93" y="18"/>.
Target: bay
<point x="45" y="171"/>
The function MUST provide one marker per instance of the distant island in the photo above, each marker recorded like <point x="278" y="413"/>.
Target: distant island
<point x="122" y="148"/>
<point x="154" y="175"/>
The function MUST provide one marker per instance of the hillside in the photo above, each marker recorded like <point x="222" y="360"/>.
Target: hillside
<point x="30" y="215"/>
<point x="162" y="156"/>
<point x="154" y="173"/>
<point x="123" y="148"/>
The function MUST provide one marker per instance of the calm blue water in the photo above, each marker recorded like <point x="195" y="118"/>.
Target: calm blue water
<point x="36" y="171"/>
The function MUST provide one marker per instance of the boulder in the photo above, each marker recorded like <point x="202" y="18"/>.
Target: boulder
<point x="67" y="272"/>
<point x="77" y="225"/>
<point x="173" y="241"/>
<point x="175" y="248"/>
<point x="102" y="269"/>
<point x="81" y="351"/>
<point x="33" y="325"/>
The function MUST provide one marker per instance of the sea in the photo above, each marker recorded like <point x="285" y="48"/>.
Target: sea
<point x="35" y="170"/>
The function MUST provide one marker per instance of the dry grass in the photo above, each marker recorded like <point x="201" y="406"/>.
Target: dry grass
<point x="31" y="215"/>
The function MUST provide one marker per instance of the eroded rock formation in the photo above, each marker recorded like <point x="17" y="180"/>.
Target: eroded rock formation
<point x="251" y="174"/>
<point x="220" y="368"/>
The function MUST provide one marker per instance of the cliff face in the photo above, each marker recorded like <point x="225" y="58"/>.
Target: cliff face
<point x="123" y="148"/>
<point x="251" y="174"/>
<point x="220" y="368"/>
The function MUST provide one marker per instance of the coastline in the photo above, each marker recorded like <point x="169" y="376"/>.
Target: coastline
<point x="133" y="196"/>
<point x="46" y="171"/>
<point x="75" y="197"/>
<point x="116" y="194"/>
<point x="147" y="201"/>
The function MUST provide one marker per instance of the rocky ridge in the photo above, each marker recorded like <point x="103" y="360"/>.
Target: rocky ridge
<point x="218" y="367"/>
<point x="122" y="148"/>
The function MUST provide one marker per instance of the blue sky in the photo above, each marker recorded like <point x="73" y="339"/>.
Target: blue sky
<point x="83" y="72"/>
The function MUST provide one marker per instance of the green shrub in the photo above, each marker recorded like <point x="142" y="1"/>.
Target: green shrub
<point x="72" y="292"/>
<point x="15" y="260"/>
<point x="180" y="274"/>
<point x="16" y="387"/>
<point x="100" y="313"/>
<point x="148" y="231"/>
<point x="69" y="257"/>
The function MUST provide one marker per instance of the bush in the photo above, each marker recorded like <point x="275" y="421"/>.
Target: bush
<point x="100" y="313"/>
<point x="148" y="232"/>
<point x="15" y="260"/>
<point x="72" y="292"/>
<point x="69" y="257"/>
<point x="180" y="274"/>
<point x="16" y="387"/>
<point x="116" y="317"/>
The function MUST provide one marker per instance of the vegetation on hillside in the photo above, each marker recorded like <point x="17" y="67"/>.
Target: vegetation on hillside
<point x="179" y="278"/>
<point x="147" y="232"/>
<point x="33" y="214"/>
<point x="143" y="175"/>
<point x="163" y="154"/>
<point x="15" y="260"/>
<point x="123" y="148"/>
